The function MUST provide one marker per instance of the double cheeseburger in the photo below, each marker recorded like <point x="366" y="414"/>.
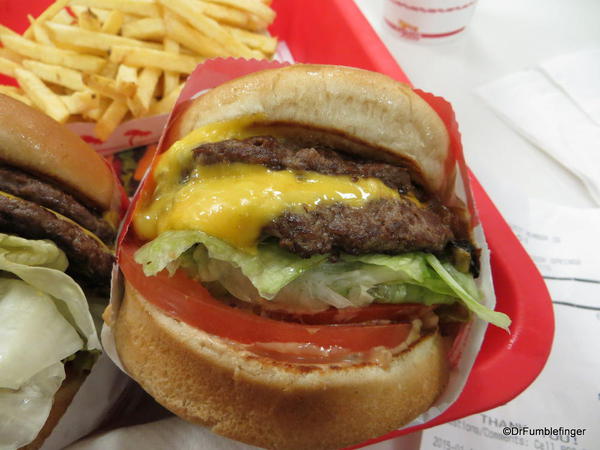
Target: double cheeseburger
<point x="297" y="264"/>
<point x="59" y="204"/>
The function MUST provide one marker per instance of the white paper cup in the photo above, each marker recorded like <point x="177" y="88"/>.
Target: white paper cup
<point x="429" y="21"/>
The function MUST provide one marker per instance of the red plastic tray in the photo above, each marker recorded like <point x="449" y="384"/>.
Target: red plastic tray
<point x="335" y="32"/>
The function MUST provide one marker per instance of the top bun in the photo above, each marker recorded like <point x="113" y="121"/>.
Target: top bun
<point x="358" y="111"/>
<point x="36" y="143"/>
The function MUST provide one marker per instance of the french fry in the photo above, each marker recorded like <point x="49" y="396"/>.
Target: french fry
<point x="189" y="37"/>
<point x="111" y="118"/>
<point x="16" y="93"/>
<point x="109" y="70"/>
<point x="92" y="39"/>
<point x="233" y="17"/>
<point x="87" y="20"/>
<point x="139" y="7"/>
<point x="55" y="74"/>
<point x="265" y="44"/>
<point x="101" y="14"/>
<point x="95" y="113"/>
<point x="255" y="7"/>
<point x="53" y="10"/>
<point x="145" y="57"/>
<point x="9" y="54"/>
<point x="40" y="34"/>
<point x="113" y="22"/>
<point x="170" y="79"/>
<point x="106" y="86"/>
<point x="80" y="102"/>
<point x="147" y="81"/>
<point x="42" y="96"/>
<point x="5" y="31"/>
<point x="8" y="67"/>
<point x="96" y="60"/>
<point x="207" y="26"/>
<point x="62" y="17"/>
<point x="166" y="104"/>
<point x="52" y="55"/>
<point x="126" y="79"/>
<point x="147" y="28"/>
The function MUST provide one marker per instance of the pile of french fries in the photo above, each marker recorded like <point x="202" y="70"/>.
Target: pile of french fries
<point x="106" y="61"/>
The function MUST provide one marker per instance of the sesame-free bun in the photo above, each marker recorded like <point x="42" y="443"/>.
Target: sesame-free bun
<point x="354" y="110"/>
<point x="266" y="402"/>
<point x="36" y="143"/>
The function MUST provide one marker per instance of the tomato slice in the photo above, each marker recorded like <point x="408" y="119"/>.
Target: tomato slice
<point x="187" y="300"/>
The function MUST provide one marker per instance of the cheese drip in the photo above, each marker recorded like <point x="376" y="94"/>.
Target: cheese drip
<point x="235" y="201"/>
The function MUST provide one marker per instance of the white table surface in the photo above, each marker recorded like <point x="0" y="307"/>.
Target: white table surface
<point x="504" y="36"/>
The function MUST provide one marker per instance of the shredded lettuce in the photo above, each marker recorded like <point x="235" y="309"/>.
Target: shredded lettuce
<point x="453" y="277"/>
<point x="269" y="270"/>
<point x="315" y="283"/>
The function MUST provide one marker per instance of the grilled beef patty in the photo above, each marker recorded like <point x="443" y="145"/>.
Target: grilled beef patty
<point x="279" y="155"/>
<point x="88" y="260"/>
<point x="27" y="187"/>
<point x="381" y="226"/>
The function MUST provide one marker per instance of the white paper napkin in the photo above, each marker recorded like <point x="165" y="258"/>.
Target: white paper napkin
<point x="578" y="74"/>
<point x="536" y="107"/>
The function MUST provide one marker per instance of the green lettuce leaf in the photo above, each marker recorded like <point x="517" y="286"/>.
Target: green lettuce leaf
<point x="44" y="319"/>
<point x="315" y="283"/>
<point x="453" y="277"/>
<point x="41" y="264"/>
<point x="269" y="270"/>
<point x="34" y="334"/>
<point x="23" y="412"/>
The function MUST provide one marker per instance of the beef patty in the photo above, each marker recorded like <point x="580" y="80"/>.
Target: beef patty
<point x="380" y="226"/>
<point x="89" y="260"/>
<point x="27" y="187"/>
<point x="279" y="155"/>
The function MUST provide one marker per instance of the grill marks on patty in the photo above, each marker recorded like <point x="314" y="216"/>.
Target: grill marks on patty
<point x="27" y="187"/>
<point x="88" y="260"/>
<point x="381" y="226"/>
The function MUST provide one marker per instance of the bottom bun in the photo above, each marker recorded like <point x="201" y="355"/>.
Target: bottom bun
<point x="269" y="403"/>
<point x="62" y="400"/>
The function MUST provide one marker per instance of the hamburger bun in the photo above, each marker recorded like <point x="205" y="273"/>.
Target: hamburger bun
<point x="269" y="403"/>
<point x="55" y="187"/>
<point x="38" y="144"/>
<point x="354" y="110"/>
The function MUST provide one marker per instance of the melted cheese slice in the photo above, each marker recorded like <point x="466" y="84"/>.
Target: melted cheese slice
<point x="235" y="201"/>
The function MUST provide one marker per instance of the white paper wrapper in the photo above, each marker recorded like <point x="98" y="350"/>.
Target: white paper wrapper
<point x="215" y="72"/>
<point x="98" y="396"/>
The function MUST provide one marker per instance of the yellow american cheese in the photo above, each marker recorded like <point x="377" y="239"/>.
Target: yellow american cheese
<point x="235" y="201"/>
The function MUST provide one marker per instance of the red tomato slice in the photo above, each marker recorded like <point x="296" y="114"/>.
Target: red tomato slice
<point x="187" y="300"/>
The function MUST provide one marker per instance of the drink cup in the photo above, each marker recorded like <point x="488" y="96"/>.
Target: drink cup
<point x="429" y="21"/>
